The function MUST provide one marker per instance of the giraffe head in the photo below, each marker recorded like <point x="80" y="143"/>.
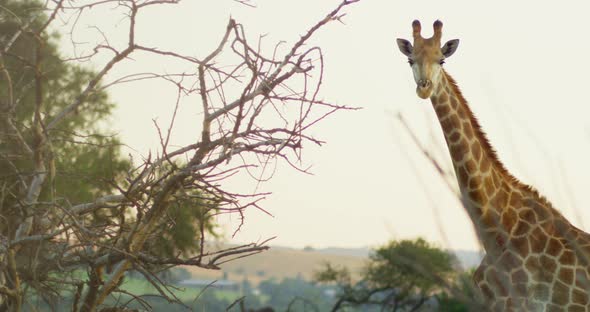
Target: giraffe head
<point x="426" y="57"/>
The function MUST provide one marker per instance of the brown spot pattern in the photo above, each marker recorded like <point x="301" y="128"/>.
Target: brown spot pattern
<point x="561" y="294"/>
<point x="530" y="263"/>
<point x="579" y="297"/>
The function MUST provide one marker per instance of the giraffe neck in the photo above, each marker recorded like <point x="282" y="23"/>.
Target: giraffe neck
<point x="484" y="183"/>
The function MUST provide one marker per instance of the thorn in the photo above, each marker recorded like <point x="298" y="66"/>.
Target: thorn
<point x="339" y="18"/>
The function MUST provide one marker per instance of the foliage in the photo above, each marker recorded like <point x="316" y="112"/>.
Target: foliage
<point x="184" y="225"/>
<point x="449" y="304"/>
<point x="295" y="294"/>
<point x="394" y="265"/>
<point x="86" y="162"/>
<point x="399" y="275"/>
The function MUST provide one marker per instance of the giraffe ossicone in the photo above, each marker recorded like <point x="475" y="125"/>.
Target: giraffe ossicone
<point x="536" y="260"/>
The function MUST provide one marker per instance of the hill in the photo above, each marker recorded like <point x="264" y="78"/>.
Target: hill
<point x="279" y="263"/>
<point x="282" y="262"/>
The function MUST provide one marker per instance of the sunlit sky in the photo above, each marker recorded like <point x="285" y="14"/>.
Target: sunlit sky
<point x="522" y="65"/>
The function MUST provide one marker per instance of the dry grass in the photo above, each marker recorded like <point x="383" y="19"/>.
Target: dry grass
<point x="278" y="263"/>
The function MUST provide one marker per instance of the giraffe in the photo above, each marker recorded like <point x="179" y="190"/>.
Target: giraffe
<point x="535" y="259"/>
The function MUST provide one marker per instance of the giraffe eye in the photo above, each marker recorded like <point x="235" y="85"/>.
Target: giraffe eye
<point x="411" y="62"/>
<point x="441" y="61"/>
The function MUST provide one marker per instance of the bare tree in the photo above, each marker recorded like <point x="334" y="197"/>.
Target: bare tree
<point x="268" y="120"/>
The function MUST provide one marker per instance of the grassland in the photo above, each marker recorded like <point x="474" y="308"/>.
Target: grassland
<point x="278" y="263"/>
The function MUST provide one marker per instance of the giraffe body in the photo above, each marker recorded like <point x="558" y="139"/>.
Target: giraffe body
<point x="535" y="259"/>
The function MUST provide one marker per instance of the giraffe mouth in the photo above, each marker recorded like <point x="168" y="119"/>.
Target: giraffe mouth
<point x="424" y="93"/>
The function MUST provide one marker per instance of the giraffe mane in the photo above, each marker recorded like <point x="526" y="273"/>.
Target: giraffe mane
<point x="488" y="147"/>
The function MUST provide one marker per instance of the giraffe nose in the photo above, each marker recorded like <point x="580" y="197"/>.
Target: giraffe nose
<point x="424" y="83"/>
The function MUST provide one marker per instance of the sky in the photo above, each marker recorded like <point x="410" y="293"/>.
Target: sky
<point x="523" y="66"/>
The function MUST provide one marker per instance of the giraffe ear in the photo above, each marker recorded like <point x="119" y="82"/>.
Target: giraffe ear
<point x="405" y="47"/>
<point x="450" y="47"/>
